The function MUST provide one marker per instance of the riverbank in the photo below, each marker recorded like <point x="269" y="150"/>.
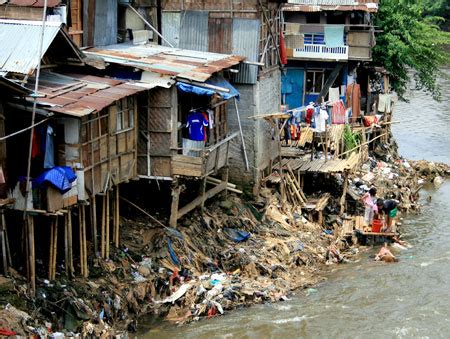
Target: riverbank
<point x="238" y="253"/>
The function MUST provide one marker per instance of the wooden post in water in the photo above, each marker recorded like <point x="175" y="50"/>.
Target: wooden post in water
<point x="344" y="193"/>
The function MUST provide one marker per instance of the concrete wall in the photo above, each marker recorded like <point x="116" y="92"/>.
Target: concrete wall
<point x="262" y="98"/>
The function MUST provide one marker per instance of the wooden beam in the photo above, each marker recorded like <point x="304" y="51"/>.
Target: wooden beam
<point x="117" y="217"/>
<point x="70" y="243"/>
<point x="31" y="255"/>
<point x="198" y="201"/>
<point x="174" y="206"/>
<point x="3" y="235"/>
<point x="93" y="208"/>
<point x="344" y="193"/>
<point x="107" y="226"/>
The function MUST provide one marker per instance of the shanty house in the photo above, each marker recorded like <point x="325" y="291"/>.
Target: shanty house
<point x="247" y="28"/>
<point x="183" y="124"/>
<point x="327" y="44"/>
<point x="83" y="144"/>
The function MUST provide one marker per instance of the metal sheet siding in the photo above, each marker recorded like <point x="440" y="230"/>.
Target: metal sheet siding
<point x="220" y="35"/>
<point x="246" y="43"/>
<point x="20" y="45"/>
<point x="105" y="32"/>
<point x="170" y="22"/>
<point x="194" y="30"/>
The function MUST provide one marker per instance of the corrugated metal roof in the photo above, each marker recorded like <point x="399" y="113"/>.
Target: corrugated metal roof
<point x="34" y="3"/>
<point x="170" y="24"/>
<point x="79" y="95"/>
<point x="185" y="64"/>
<point x="371" y="7"/>
<point x="332" y="2"/>
<point x="246" y="43"/>
<point x="194" y="30"/>
<point x="20" y="44"/>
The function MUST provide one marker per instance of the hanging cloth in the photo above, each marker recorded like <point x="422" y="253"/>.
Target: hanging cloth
<point x="338" y="113"/>
<point x="353" y="99"/>
<point x="334" y="35"/>
<point x="49" y="157"/>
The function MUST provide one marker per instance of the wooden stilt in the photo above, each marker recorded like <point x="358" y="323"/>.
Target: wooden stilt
<point x="31" y="256"/>
<point x="225" y="177"/>
<point x="94" y="223"/>
<point x="80" y="228"/>
<point x="107" y="226"/>
<point x="50" y="254"/>
<point x="103" y="227"/>
<point x="344" y="193"/>
<point x="8" y="251"/>
<point x="66" y="246"/>
<point x="117" y="217"/>
<point x="70" y="243"/>
<point x="176" y="190"/>
<point x="55" y="246"/>
<point x="85" y="264"/>
<point x="202" y="192"/>
<point x="3" y="240"/>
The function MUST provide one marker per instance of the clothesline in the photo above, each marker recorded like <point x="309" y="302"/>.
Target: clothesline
<point x="23" y="130"/>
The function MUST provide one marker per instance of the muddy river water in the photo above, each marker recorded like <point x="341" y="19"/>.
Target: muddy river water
<point x="366" y="299"/>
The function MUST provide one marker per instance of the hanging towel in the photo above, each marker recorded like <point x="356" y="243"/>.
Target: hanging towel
<point x="333" y="94"/>
<point x="334" y="35"/>
<point x="49" y="157"/>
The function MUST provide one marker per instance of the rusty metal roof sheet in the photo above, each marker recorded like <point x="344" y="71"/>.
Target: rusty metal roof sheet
<point x="19" y="41"/>
<point x="331" y="5"/>
<point x="79" y="95"/>
<point x="34" y="3"/>
<point x="180" y="63"/>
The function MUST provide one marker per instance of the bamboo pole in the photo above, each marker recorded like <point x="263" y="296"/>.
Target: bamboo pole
<point x="344" y="193"/>
<point x="8" y="251"/>
<point x="66" y="245"/>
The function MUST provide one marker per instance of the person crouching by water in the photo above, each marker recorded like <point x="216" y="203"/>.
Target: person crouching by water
<point x="385" y="255"/>
<point x="369" y="200"/>
<point x="387" y="207"/>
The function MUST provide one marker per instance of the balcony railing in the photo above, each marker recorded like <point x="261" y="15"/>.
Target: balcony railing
<point x="313" y="51"/>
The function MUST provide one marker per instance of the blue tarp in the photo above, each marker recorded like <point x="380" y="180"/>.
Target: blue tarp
<point x="60" y="177"/>
<point x="216" y="81"/>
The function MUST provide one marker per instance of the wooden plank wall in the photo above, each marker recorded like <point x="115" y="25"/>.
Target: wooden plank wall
<point x="76" y="15"/>
<point x="109" y="151"/>
<point x="162" y="129"/>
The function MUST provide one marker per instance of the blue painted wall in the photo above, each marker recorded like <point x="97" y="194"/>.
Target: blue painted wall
<point x="292" y="87"/>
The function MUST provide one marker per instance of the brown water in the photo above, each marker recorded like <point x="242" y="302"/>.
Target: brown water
<point x="368" y="299"/>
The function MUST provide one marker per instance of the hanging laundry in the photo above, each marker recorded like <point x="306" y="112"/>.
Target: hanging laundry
<point x="333" y="94"/>
<point x="195" y="123"/>
<point x="353" y="99"/>
<point x="309" y="113"/>
<point x="321" y="120"/>
<point x="384" y="103"/>
<point x="49" y="156"/>
<point x="205" y="130"/>
<point x="338" y="113"/>
<point x="334" y="35"/>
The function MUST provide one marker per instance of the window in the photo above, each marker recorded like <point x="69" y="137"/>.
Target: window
<point x="314" y="81"/>
<point x="125" y="114"/>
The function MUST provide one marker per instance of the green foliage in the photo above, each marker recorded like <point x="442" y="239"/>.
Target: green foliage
<point x="410" y="40"/>
<point x="351" y="139"/>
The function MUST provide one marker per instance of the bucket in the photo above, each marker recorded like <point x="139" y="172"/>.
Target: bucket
<point x="376" y="225"/>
